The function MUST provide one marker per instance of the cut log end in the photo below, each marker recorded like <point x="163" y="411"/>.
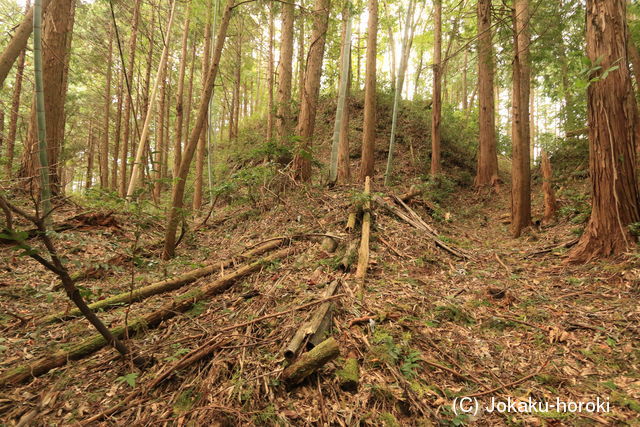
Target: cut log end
<point x="310" y="362"/>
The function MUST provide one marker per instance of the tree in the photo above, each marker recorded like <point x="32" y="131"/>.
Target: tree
<point x="270" y="74"/>
<point x="104" y="148"/>
<point x="487" y="173"/>
<point x="369" y="124"/>
<point x="18" y="42"/>
<point x="404" y="59"/>
<point x="285" y="70"/>
<point x="15" y="108"/>
<point x="307" y="117"/>
<point x="611" y="113"/>
<point x="200" y="150"/>
<point x="520" y="170"/>
<point x="177" y="147"/>
<point x="436" y="108"/>
<point x="57" y="32"/>
<point x="177" y="197"/>
<point x="340" y="145"/>
<point x="128" y="100"/>
<point x="136" y="173"/>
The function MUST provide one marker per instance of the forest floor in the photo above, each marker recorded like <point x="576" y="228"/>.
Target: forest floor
<point x="426" y="327"/>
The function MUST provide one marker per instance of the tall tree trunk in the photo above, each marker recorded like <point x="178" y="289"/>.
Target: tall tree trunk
<point x="611" y="110"/>
<point x="369" y="124"/>
<point x="58" y="28"/>
<point x="437" y="90"/>
<point x="487" y="173"/>
<point x="104" y="149"/>
<point x="200" y="151"/>
<point x="404" y="60"/>
<point x="187" y="117"/>
<point x="143" y="100"/>
<point x="136" y="173"/>
<point x="547" y="189"/>
<point x="465" y="104"/>
<point x="177" y="147"/>
<point x="416" y="84"/>
<point x="342" y="110"/>
<point x="532" y="126"/>
<point x="521" y="174"/>
<point x="306" y="121"/>
<point x="90" y="155"/>
<point x="283" y="115"/>
<point x="128" y="100"/>
<point x="15" y="107"/>
<point x="301" y="57"/>
<point x="203" y="109"/>
<point x="18" y="42"/>
<point x="117" y="136"/>
<point x="270" y="74"/>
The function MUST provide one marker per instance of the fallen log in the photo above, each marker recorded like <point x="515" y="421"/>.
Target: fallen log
<point x="179" y="304"/>
<point x="310" y="362"/>
<point x="416" y="221"/>
<point x="313" y="329"/>
<point x="349" y="256"/>
<point x="349" y="375"/>
<point x="168" y="285"/>
<point x="363" y="252"/>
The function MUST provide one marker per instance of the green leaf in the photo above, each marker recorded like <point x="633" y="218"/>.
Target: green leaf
<point x="129" y="379"/>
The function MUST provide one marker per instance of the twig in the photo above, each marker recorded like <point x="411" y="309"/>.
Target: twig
<point x="511" y="384"/>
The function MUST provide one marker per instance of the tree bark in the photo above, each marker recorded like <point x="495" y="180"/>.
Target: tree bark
<point x="521" y="174"/>
<point x="104" y="149"/>
<point x="340" y="146"/>
<point x="203" y="109"/>
<point x="18" y="42"/>
<point x="487" y="173"/>
<point x="15" y="109"/>
<point x="283" y="107"/>
<point x="436" y="108"/>
<point x="200" y="151"/>
<point x="90" y="155"/>
<point x="369" y="125"/>
<point x="612" y="112"/>
<point x="136" y="173"/>
<point x="270" y="74"/>
<point x="128" y="88"/>
<point x="547" y="189"/>
<point x="177" y="147"/>
<point x="57" y="32"/>
<point x="117" y="136"/>
<point x="307" y="118"/>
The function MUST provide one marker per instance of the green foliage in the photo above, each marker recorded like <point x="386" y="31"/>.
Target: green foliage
<point x="578" y="209"/>
<point x="402" y="355"/>
<point x="129" y="379"/>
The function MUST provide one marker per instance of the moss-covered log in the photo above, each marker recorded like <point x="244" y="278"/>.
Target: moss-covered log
<point x="179" y="304"/>
<point x="168" y="285"/>
<point x="349" y="375"/>
<point x="311" y="361"/>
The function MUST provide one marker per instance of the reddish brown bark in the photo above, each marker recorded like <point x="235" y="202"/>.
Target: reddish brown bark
<point x="487" y="173"/>
<point x="369" y="125"/>
<point x="307" y="118"/>
<point x="521" y="173"/>
<point x="611" y="110"/>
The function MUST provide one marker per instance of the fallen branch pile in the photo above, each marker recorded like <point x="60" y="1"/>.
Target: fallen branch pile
<point x="168" y="285"/>
<point x="179" y="304"/>
<point x="411" y="217"/>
